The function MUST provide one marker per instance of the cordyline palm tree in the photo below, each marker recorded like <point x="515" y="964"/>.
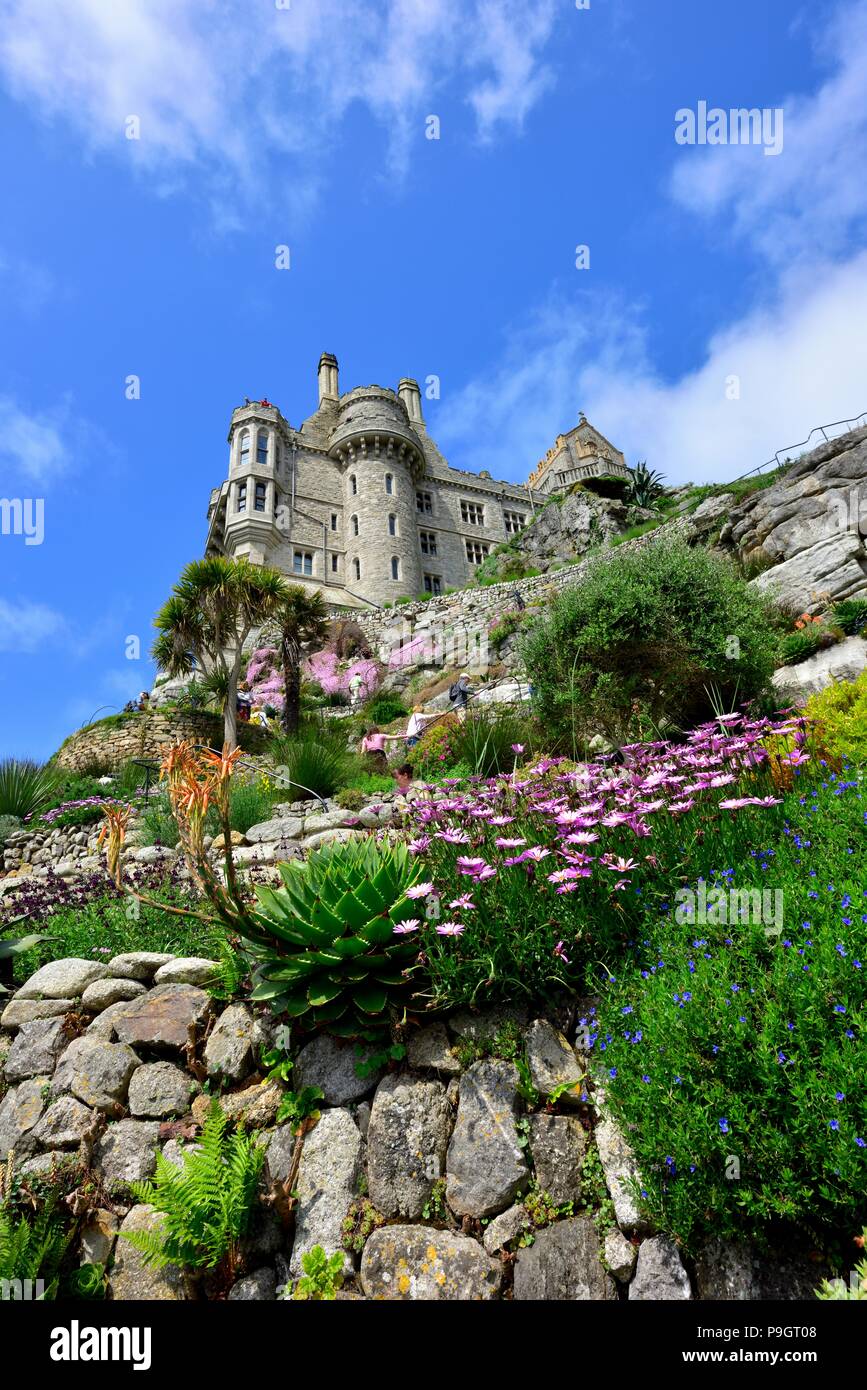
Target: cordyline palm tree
<point x="299" y="621"/>
<point x="214" y="607"/>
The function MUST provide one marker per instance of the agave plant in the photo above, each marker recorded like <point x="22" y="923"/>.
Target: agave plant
<point x="324" y="945"/>
<point x="645" y="485"/>
<point x="16" y="946"/>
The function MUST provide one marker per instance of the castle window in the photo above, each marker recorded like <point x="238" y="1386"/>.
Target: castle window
<point x="241" y="499"/>
<point x="334" y="521"/>
<point x="259" y="500"/>
<point x="392" y="524"/>
<point x="473" y="512"/>
<point x="334" y="564"/>
<point x="244" y="451"/>
<point x="389" y="483"/>
<point x="424" y="503"/>
<point x="302" y="562"/>
<point x="476" y="552"/>
<point x="433" y="584"/>
<point x="428" y="542"/>
<point x="356" y="565"/>
<point x="353" y="484"/>
<point x="262" y="447"/>
<point x="395" y="567"/>
<point x="514" y="522"/>
<point x="355" y="526"/>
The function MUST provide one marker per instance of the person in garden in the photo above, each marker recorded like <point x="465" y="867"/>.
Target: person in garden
<point x="373" y="746"/>
<point x="403" y="779"/>
<point x="415" y="726"/>
<point x="459" y="694"/>
<point x="356" y="689"/>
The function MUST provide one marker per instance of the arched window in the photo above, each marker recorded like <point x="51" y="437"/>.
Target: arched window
<point x="389" y="483"/>
<point x="392" y="525"/>
<point x="353" y="483"/>
<point x="244" y="451"/>
<point x="262" y="447"/>
<point x="355" y="526"/>
<point x="356" y="565"/>
<point x="395" y="567"/>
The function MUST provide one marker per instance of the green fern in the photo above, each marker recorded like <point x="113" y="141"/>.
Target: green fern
<point x="207" y="1203"/>
<point x="32" y="1248"/>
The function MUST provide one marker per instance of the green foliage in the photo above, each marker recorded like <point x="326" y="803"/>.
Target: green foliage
<point x="435" y="1208"/>
<point x="382" y="709"/>
<point x="323" y="1275"/>
<point x="32" y="1246"/>
<point x="26" y="787"/>
<point x="797" y="646"/>
<point x="110" y="925"/>
<point x="485" y="741"/>
<point x="840" y="712"/>
<point x="8" y="825"/>
<point x="351" y="799"/>
<point x="312" y="763"/>
<point x="432" y="755"/>
<point x="324" y="946"/>
<point x="297" y="1106"/>
<point x="734" y="1058"/>
<point x="644" y="486"/>
<point x="850" y="614"/>
<point x="207" y="1203"/>
<point x="504" y="628"/>
<point x="361" y="1221"/>
<point x="837" y="1291"/>
<point x="86" y="1282"/>
<point x="641" y="529"/>
<point x="370" y="1062"/>
<point x="644" y="636"/>
<point x="250" y="804"/>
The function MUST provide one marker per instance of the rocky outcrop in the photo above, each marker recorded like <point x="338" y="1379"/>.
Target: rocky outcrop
<point x="844" y="662"/>
<point x="809" y="526"/>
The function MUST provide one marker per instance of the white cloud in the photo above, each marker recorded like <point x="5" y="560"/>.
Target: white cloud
<point x="27" y="627"/>
<point x="801" y="362"/>
<point x="38" y="448"/>
<point x="31" y="446"/>
<point x="800" y="353"/>
<point x="227" y="85"/>
<point x="808" y="201"/>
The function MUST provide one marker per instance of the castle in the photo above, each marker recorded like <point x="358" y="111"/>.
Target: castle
<point x="360" y="504"/>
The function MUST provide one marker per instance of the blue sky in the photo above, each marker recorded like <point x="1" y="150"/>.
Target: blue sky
<point x="303" y="123"/>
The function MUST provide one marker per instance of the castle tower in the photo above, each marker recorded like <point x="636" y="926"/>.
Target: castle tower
<point x="255" y="461"/>
<point x="381" y="462"/>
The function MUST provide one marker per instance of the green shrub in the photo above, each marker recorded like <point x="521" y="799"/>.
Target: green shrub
<point x="323" y="1275"/>
<point x="351" y="799"/>
<point x="104" y="927"/>
<point x="369" y="783"/>
<point x="8" y="825"/>
<point x="840" y="711"/>
<point x="486" y="741"/>
<point x="382" y="709"/>
<point x="649" y="634"/>
<point x="324" y="946"/>
<point x="433" y="753"/>
<point x="26" y="787"/>
<point x="798" y="646"/>
<point x="250" y="804"/>
<point x="503" y="629"/>
<point x="312" y="764"/>
<point x="207" y="1203"/>
<point x="850" y="614"/>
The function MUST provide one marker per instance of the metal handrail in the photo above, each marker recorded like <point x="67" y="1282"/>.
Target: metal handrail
<point x="776" y="462"/>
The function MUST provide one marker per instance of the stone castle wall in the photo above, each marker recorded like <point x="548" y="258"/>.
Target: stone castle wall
<point x="145" y="736"/>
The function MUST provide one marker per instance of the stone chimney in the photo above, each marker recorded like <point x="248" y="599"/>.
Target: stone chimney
<point x="328" y="387"/>
<point x="411" y="396"/>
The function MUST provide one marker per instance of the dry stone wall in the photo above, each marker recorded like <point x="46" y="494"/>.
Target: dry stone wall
<point x="111" y="743"/>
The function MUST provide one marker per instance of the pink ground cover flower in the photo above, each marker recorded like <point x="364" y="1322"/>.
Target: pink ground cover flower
<point x="409" y="924"/>
<point x="450" y="929"/>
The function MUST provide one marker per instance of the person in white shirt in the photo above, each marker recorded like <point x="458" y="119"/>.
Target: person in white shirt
<point x="415" y="726"/>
